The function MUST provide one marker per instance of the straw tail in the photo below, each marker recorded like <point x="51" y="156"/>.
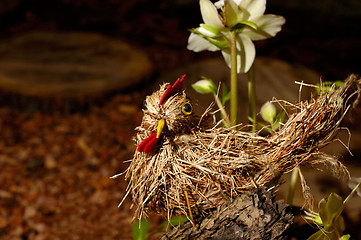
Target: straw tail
<point x="313" y="126"/>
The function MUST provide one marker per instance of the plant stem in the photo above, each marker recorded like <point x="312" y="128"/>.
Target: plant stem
<point x="348" y="198"/>
<point x="291" y="192"/>
<point x="224" y="114"/>
<point x="234" y="100"/>
<point x="252" y="98"/>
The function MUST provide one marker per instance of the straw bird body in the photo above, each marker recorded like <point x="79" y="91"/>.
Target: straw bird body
<point x="187" y="164"/>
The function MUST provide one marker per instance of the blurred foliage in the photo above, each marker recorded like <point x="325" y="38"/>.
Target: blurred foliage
<point x="329" y="220"/>
<point x="141" y="228"/>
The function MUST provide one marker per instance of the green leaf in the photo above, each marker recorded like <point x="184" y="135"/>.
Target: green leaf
<point x="237" y="27"/>
<point x="330" y="212"/>
<point x="218" y="43"/>
<point x="314" y="217"/>
<point x="317" y="219"/>
<point x="330" y="209"/>
<point x="324" y="235"/>
<point x="250" y="24"/>
<point x="319" y="235"/>
<point x="177" y="220"/>
<point x="224" y="88"/>
<point x="253" y="121"/>
<point x="339" y="84"/>
<point x="280" y="116"/>
<point x="265" y="127"/>
<point x="209" y="31"/>
<point x="339" y="224"/>
<point x="140" y="229"/>
<point x="322" y="210"/>
<point x="225" y="94"/>
<point x="226" y="98"/>
<point x="240" y="25"/>
<point x="222" y="43"/>
<point x="279" y="119"/>
<point x="205" y="86"/>
<point x="345" y="237"/>
<point x="334" y="205"/>
<point x="328" y="86"/>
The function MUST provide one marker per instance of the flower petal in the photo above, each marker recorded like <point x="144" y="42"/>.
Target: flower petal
<point x="268" y="26"/>
<point x="237" y="1"/>
<point x="232" y="12"/>
<point x="226" y="53"/>
<point x="210" y="14"/>
<point x="246" y="53"/>
<point x="197" y="44"/>
<point x="255" y="8"/>
<point x="219" y="4"/>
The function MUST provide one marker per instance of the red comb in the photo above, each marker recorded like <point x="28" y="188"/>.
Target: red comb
<point x="148" y="144"/>
<point x="171" y="90"/>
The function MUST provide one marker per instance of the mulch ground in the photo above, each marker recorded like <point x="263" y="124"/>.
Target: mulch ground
<point x="55" y="172"/>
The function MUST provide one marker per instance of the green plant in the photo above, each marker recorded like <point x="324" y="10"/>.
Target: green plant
<point x="230" y="26"/>
<point x="326" y="87"/>
<point x="205" y="86"/>
<point x="329" y="220"/>
<point x="140" y="230"/>
<point x="270" y="115"/>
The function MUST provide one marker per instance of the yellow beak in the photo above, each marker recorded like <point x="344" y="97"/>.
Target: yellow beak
<point x="160" y="127"/>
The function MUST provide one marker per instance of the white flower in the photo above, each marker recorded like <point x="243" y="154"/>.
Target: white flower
<point x="220" y="3"/>
<point x="210" y="14"/>
<point x="246" y="17"/>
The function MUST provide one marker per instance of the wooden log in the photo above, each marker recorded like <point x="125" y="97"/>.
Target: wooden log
<point x="254" y="215"/>
<point x="69" y="65"/>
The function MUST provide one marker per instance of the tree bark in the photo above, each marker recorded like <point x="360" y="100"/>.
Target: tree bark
<point x="253" y="215"/>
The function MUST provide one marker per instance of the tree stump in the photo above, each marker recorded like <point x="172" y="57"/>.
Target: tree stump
<point x="71" y="65"/>
<point x="254" y="215"/>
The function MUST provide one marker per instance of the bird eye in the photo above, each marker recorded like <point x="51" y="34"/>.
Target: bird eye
<point x="187" y="108"/>
<point x="145" y="105"/>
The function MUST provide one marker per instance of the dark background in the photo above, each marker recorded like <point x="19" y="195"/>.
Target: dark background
<point x="323" y="35"/>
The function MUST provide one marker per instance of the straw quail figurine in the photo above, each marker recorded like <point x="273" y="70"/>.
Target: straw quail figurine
<point x="188" y="164"/>
<point x="167" y="114"/>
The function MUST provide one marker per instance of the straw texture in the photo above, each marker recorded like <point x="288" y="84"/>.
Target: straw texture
<point x="198" y="165"/>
